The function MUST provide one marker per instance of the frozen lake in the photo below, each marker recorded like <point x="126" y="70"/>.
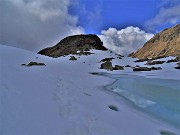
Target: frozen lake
<point x="158" y="97"/>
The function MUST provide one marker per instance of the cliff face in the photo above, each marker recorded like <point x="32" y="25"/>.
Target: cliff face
<point x="164" y="43"/>
<point x="73" y="44"/>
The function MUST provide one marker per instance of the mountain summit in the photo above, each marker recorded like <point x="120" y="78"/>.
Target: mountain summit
<point x="73" y="45"/>
<point x="164" y="43"/>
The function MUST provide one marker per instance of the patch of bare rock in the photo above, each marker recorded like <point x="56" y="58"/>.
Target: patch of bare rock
<point x="108" y="66"/>
<point x="76" y="45"/>
<point x="146" y="68"/>
<point x="178" y="67"/>
<point x="154" y="62"/>
<point x="164" y="43"/>
<point x="33" y="64"/>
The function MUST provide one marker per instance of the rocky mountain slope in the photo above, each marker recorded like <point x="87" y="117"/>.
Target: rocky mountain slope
<point x="77" y="44"/>
<point x="164" y="43"/>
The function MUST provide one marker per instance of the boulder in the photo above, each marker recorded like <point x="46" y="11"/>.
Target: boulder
<point x="127" y="66"/>
<point x="107" y="65"/>
<point x="113" y="107"/>
<point x="156" y="68"/>
<point x="178" y="67"/>
<point x="119" y="57"/>
<point x="141" y="60"/>
<point x="146" y="68"/>
<point x="142" y="69"/>
<point x="166" y="133"/>
<point x="177" y="59"/>
<point x="154" y="62"/>
<point x="34" y="64"/>
<point x="107" y="59"/>
<point x="117" y="67"/>
<point x="72" y="58"/>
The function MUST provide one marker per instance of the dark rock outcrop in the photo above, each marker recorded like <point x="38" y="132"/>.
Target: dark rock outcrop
<point x="146" y="68"/>
<point x="84" y="53"/>
<point x="107" y="65"/>
<point x="154" y="62"/>
<point x="73" y="44"/>
<point x="156" y="68"/>
<point x="127" y="66"/>
<point x="177" y="59"/>
<point x="117" y="67"/>
<point x="149" y="59"/>
<point x="166" y="133"/>
<point x="113" y="107"/>
<point x="119" y="57"/>
<point x="72" y="58"/>
<point x="178" y="67"/>
<point x="33" y="64"/>
<point x="142" y="69"/>
<point x="107" y="59"/>
<point x="141" y="60"/>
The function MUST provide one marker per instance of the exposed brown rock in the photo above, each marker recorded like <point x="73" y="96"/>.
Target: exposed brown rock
<point x="164" y="43"/>
<point x="117" y="67"/>
<point x="107" y="65"/>
<point x="73" y="44"/>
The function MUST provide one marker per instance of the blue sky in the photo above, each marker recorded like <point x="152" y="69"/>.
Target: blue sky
<point x="123" y="25"/>
<point x="97" y="15"/>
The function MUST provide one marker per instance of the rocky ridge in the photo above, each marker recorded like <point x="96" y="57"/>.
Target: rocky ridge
<point x="83" y="45"/>
<point x="76" y="44"/>
<point x="164" y="43"/>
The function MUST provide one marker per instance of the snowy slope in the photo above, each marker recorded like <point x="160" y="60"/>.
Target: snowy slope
<point x="62" y="98"/>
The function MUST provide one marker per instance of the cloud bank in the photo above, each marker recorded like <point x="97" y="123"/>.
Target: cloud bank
<point x="35" y="24"/>
<point x="124" y="41"/>
<point x="169" y="14"/>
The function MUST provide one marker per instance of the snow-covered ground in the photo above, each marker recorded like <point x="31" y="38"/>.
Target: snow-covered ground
<point x="62" y="98"/>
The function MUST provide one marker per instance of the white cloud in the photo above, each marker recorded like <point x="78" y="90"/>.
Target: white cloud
<point x="124" y="41"/>
<point x="167" y="15"/>
<point x="35" y="24"/>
